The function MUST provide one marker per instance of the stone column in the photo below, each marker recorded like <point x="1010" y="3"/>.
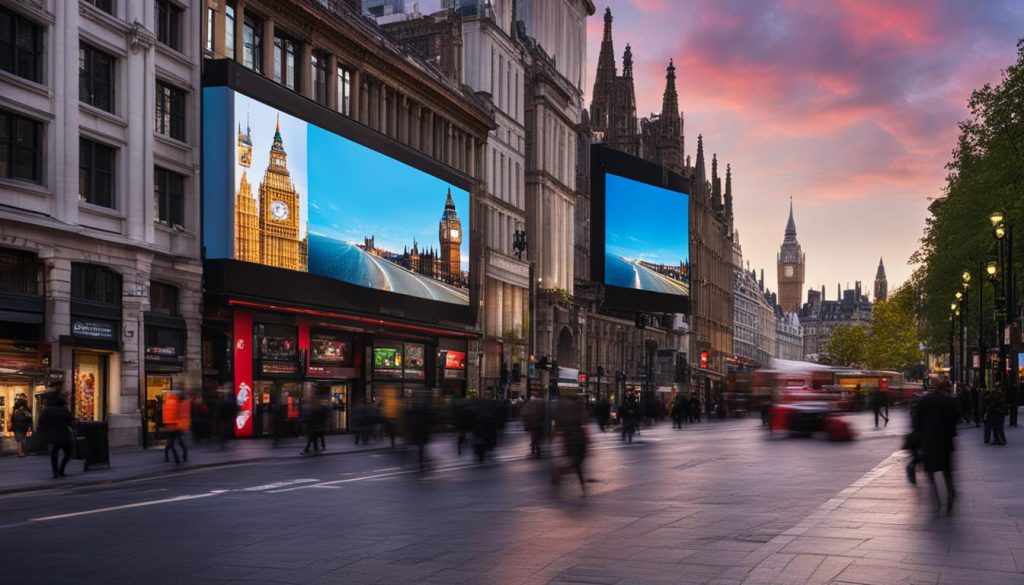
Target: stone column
<point x="332" y="83"/>
<point x="304" y="69"/>
<point x="219" y="28"/>
<point x="267" y="51"/>
<point x="240" y="30"/>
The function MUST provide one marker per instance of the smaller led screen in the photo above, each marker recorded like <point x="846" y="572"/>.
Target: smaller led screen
<point x="647" y="243"/>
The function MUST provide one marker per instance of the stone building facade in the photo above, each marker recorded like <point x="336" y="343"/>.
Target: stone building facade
<point x="99" y="213"/>
<point x="819" y="316"/>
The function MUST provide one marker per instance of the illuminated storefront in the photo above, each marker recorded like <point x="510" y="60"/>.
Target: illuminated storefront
<point x="338" y="263"/>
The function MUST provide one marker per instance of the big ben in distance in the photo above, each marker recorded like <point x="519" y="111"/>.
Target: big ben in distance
<point x="280" y="244"/>
<point x="450" y="235"/>
<point x="791" y="262"/>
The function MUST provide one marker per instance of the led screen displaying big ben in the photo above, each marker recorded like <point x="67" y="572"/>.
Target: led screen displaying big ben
<point x="307" y="199"/>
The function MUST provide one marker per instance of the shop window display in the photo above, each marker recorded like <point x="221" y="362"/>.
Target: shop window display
<point x="89" y="386"/>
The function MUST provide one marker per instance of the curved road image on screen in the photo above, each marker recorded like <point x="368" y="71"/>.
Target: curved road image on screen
<point x="628" y="273"/>
<point x="345" y="261"/>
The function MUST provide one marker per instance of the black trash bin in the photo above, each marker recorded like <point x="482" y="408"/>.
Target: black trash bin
<point x="91" y="443"/>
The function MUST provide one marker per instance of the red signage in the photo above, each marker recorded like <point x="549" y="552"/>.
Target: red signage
<point x="455" y="360"/>
<point x="704" y="359"/>
<point x="243" y="373"/>
<point x="581" y="378"/>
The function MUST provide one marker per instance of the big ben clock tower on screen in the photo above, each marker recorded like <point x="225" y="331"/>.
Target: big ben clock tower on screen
<point x="450" y="234"/>
<point x="280" y="245"/>
<point x="791" y="260"/>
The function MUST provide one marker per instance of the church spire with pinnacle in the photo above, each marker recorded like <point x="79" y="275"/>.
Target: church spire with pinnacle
<point x="881" y="282"/>
<point x="606" y="58"/>
<point x="699" y="171"/>
<point x="627" y="62"/>
<point x="790" y="225"/>
<point x="670" y="101"/>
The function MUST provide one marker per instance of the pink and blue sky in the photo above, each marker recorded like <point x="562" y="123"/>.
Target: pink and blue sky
<point x="850" y="107"/>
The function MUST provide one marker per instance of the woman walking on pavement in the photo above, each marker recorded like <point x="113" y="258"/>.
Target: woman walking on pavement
<point x="55" y="428"/>
<point x="21" y="424"/>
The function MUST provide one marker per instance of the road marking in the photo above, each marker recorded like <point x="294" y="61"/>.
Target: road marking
<point x="128" y="506"/>
<point x="279" y="484"/>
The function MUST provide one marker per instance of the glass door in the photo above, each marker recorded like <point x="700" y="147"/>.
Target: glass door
<point x="339" y="406"/>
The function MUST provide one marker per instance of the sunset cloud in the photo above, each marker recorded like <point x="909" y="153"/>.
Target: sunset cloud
<point x="850" y="107"/>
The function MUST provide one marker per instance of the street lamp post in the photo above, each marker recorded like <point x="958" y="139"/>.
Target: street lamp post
<point x="992" y="269"/>
<point x="1002" y="229"/>
<point x="964" y="320"/>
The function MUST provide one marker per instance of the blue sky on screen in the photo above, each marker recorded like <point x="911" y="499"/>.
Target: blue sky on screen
<point x="261" y="119"/>
<point x="646" y="222"/>
<point x="359" y="192"/>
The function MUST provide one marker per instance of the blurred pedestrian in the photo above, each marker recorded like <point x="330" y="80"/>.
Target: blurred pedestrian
<point x="21" y="424"/>
<point x="55" y="428"/>
<point x="317" y="421"/>
<point x="695" y="407"/>
<point x="996" y="415"/>
<point x="278" y="422"/>
<point x="677" y="413"/>
<point x="976" y="406"/>
<point x="485" y="428"/>
<point x="463" y="420"/>
<point x="533" y="414"/>
<point x="226" y="413"/>
<point x="935" y="422"/>
<point x="629" y="416"/>
<point x="603" y="413"/>
<point x="569" y="417"/>
<point x="177" y="413"/>
<point x="419" y="421"/>
<point x="876" y="402"/>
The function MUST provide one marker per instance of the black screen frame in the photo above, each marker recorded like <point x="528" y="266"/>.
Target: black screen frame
<point x="604" y="160"/>
<point x="237" y="279"/>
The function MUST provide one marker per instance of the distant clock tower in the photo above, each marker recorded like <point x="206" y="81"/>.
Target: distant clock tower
<point x="450" y="235"/>
<point x="790" y="264"/>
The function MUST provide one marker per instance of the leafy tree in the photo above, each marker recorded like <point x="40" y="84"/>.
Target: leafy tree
<point x="894" y="343"/>
<point x="984" y="175"/>
<point x="847" y="346"/>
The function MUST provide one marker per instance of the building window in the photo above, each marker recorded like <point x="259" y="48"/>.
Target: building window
<point x="229" y="31"/>
<point x="319" y="65"/>
<point x="98" y="284"/>
<point x="20" y="272"/>
<point x="21" y="46"/>
<point x="163" y="299"/>
<point x="284" y="60"/>
<point x="211" y="15"/>
<point x="168" y="23"/>
<point x="104" y="5"/>
<point x="170" y="111"/>
<point x="96" y="173"/>
<point x="21" y="147"/>
<point x="96" y="77"/>
<point x="344" y="91"/>
<point x="168" y="197"/>
<point x="252" y="43"/>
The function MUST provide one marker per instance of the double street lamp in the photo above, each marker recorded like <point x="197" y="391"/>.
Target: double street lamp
<point x="1006" y="294"/>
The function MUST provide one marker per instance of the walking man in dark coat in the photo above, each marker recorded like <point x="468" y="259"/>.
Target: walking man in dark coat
<point x="935" y="423"/>
<point x="55" y="428"/>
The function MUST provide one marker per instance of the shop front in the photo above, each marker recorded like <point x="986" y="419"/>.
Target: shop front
<point x="165" y="364"/>
<point x="285" y="362"/>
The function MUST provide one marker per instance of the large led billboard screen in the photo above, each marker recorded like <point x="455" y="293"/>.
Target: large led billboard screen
<point x="646" y="241"/>
<point x="307" y="199"/>
<point x="640" y="246"/>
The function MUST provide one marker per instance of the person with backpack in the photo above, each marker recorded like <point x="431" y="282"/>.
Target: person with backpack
<point x="21" y="424"/>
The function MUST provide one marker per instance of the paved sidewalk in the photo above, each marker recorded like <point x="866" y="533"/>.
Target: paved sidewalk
<point x="33" y="473"/>
<point x="882" y="530"/>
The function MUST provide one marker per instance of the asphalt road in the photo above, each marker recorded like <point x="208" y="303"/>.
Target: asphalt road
<point x="345" y="261"/>
<point x="699" y="495"/>
<point x="632" y="274"/>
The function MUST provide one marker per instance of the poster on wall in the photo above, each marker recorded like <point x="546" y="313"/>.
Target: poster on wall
<point x="88" y="385"/>
<point x="329" y="349"/>
<point x="647" y="243"/>
<point x="414" y="362"/>
<point x="387" y="362"/>
<point x="306" y="199"/>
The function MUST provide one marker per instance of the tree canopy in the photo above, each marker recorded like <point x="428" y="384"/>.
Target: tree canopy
<point x="986" y="174"/>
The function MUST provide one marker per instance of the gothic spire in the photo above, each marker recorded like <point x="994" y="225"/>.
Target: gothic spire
<point x="278" y="143"/>
<point x="606" y="59"/>
<point x="627" y="62"/>
<point x="698" y="166"/>
<point x="670" y="101"/>
<point x="881" y="269"/>
<point x="790" y="225"/>
<point x="716" y="181"/>
<point x="728" y="189"/>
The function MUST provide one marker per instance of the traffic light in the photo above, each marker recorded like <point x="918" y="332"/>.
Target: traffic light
<point x="553" y="379"/>
<point x="704" y="359"/>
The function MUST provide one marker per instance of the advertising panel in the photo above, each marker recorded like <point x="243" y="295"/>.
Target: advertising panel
<point x="387" y="362"/>
<point x="640" y="247"/>
<point x="647" y="244"/>
<point x="307" y="199"/>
